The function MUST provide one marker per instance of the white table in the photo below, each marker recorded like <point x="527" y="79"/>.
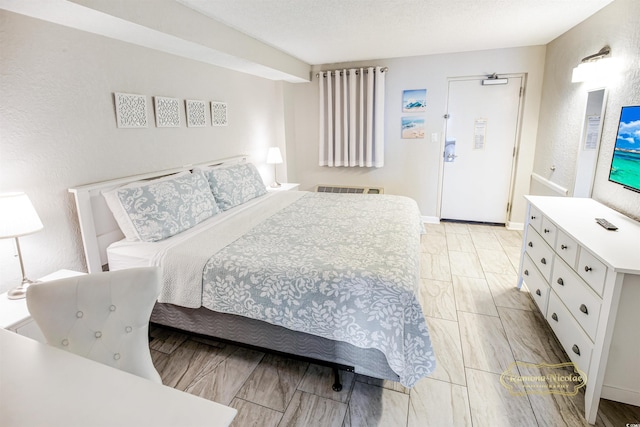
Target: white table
<point x="285" y="186"/>
<point x="41" y="385"/>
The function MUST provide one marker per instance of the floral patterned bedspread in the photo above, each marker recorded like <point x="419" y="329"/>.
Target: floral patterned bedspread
<point x="344" y="267"/>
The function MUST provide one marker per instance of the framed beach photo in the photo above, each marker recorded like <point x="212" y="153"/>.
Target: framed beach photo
<point x="412" y="127"/>
<point x="414" y="101"/>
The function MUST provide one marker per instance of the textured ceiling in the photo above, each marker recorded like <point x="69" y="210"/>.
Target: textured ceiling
<point x="330" y="31"/>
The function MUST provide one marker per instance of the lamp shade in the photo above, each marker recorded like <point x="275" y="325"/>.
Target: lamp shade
<point x="274" y="156"/>
<point x="18" y="217"/>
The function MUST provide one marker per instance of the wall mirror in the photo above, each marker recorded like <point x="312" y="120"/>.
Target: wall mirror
<point x="590" y="142"/>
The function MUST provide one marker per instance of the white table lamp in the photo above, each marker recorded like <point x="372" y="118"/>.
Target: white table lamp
<point x="274" y="158"/>
<point x="18" y="218"/>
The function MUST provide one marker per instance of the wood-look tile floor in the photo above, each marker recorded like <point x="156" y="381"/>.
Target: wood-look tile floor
<point x="479" y="324"/>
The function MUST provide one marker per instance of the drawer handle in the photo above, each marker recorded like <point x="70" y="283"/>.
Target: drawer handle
<point x="560" y="281"/>
<point x="533" y="217"/>
<point x="554" y="317"/>
<point x="538" y="292"/>
<point x="563" y="247"/>
<point x="544" y="261"/>
<point x="583" y="308"/>
<point x="576" y="349"/>
<point x="530" y="244"/>
<point x="526" y="272"/>
<point x="546" y="230"/>
<point x="587" y="268"/>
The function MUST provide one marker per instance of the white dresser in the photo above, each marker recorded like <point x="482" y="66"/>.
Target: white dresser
<point x="586" y="282"/>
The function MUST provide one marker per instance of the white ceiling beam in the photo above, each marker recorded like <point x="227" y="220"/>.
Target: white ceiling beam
<point x="170" y="27"/>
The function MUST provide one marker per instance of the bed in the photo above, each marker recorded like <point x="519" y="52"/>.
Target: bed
<point x="327" y="277"/>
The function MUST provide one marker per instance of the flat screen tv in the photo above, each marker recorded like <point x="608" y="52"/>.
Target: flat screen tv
<point x="625" y="164"/>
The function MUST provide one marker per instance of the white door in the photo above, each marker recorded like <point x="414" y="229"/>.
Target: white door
<point x="480" y="141"/>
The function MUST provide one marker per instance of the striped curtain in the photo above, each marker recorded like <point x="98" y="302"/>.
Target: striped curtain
<point x="352" y="117"/>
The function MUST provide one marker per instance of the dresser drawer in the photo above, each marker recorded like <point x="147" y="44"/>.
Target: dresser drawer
<point x="580" y="299"/>
<point x="567" y="248"/>
<point x="536" y="284"/>
<point x="575" y="342"/>
<point x="540" y="253"/>
<point x="535" y="217"/>
<point x="548" y="232"/>
<point x="592" y="270"/>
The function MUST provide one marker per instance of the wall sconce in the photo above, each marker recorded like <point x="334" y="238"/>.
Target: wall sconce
<point x="592" y="67"/>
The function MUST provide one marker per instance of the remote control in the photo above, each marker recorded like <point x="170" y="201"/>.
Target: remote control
<point x="606" y="224"/>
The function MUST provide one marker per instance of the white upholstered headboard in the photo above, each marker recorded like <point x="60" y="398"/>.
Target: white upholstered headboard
<point x="98" y="227"/>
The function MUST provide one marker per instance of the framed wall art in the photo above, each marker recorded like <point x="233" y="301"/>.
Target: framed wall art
<point x="414" y="101"/>
<point x="131" y="110"/>
<point x="167" y="112"/>
<point x="196" y="113"/>
<point x="219" y="113"/>
<point x="412" y="127"/>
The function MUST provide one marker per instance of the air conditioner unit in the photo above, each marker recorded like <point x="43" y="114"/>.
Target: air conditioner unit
<point x="343" y="189"/>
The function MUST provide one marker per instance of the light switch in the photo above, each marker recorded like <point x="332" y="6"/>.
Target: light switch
<point x="434" y="137"/>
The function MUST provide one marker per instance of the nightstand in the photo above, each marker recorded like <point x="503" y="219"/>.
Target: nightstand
<point x="15" y="316"/>
<point x="285" y="186"/>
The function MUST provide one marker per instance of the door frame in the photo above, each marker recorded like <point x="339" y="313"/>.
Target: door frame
<point x="516" y="151"/>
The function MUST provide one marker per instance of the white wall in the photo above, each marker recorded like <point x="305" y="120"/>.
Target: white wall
<point x="412" y="165"/>
<point x="58" y="127"/>
<point x="563" y="102"/>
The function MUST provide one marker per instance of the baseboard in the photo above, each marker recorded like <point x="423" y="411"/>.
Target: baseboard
<point x="431" y="219"/>
<point x="630" y="397"/>
<point x="515" y="225"/>
<point x="509" y="225"/>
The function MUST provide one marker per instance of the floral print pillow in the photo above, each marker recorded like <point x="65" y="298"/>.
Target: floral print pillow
<point x="233" y="185"/>
<point x="165" y="208"/>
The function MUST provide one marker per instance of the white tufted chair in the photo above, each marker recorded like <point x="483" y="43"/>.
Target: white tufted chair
<point x="103" y="316"/>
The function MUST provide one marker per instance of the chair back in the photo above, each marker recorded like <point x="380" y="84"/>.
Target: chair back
<point x="101" y="316"/>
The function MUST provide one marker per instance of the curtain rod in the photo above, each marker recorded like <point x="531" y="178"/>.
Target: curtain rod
<point x="365" y="69"/>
